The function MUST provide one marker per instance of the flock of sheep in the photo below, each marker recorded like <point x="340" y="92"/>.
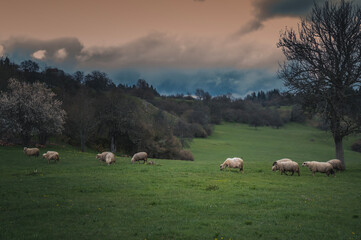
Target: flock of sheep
<point x="107" y="157"/>
<point x="283" y="165"/>
<point x="49" y="155"/>
<point x="287" y="165"/>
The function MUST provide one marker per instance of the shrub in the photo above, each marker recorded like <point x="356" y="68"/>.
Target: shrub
<point x="356" y="146"/>
<point x="198" y="131"/>
<point x="186" y="155"/>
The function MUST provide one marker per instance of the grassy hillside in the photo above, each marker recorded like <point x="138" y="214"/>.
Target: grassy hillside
<point x="79" y="198"/>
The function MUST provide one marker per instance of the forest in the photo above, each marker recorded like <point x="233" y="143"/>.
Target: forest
<point x="101" y="115"/>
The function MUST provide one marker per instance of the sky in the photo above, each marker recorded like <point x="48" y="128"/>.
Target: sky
<point x="220" y="46"/>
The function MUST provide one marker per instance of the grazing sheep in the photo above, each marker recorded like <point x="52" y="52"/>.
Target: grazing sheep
<point x="281" y="160"/>
<point x="286" y="166"/>
<point x="51" y="155"/>
<point x="322" y="167"/>
<point x="336" y="164"/>
<point x="140" y="156"/>
<point x="31" y="151"/>
<point x="232" y="163"/>
<point x="107" y="157"/>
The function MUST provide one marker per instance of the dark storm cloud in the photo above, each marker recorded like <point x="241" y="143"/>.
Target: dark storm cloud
<point x="267" y="9"/>
<point x="157" y="50"/>
<point x="61" y="51"/>
<point x="169" y="63"/>
<point x="271" y="8"/>
<point x="160" y="50"/>
<point x="216" y="81"/>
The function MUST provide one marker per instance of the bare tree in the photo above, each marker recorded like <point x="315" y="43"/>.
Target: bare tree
<point x="30" y="109"/>
<point x="323" y="66"/>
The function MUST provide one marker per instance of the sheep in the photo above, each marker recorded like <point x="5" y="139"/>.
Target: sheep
<point x="286" y="166"/>
<point x="281" y="160"/>
<point x="107" y="157"/>
<point x="51" y="155"/>
<point x="140" y="156"/>
<point x="232" y="163"/>
<point x="31" y="151"/>
<point x="322" y="167"/>
<point x="336" y="164"/>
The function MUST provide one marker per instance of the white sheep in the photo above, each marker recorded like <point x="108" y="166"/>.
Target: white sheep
<point x="322" y="167"/>
<point x="139" y="156"/>
<point x="232" y="163"/>
<point x="286" y="166"/>
<point x="32" y="151"/>
<point x="336" y="164"/>
<point x="282" y="160"/>
<point x="107" y="157"/>
<point x="51" y="155"/>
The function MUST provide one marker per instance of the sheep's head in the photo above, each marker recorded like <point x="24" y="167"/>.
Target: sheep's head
<point x="305" y="164"/>
<point x="25" y="148"/>
<point x="44" y="155"/>
<point x="133" y="160"/>
<point x="221" y="167"/>
<point x="275" y="168"/>
<point x="98" y="156"/>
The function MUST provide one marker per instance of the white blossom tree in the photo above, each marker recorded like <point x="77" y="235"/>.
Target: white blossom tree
<point x="28" y="110"/>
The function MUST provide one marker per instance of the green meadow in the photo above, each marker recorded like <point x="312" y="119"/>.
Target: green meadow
<point x="80" y="198"/>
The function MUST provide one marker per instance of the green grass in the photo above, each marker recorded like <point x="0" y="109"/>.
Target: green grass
<point x="79" y="198"/>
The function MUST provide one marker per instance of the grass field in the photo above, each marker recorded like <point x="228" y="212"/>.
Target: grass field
<point x="79" y="198"/>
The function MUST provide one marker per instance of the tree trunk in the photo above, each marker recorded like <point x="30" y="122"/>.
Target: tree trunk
<point x="43" y="137"/>
<point x="339" y="151"/>
<point x="113" y="147"/>
<point x="26" y="140"/>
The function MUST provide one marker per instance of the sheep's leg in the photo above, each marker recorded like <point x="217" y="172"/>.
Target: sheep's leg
<point x="292" y="173"/>
<point x="313" y="173"/>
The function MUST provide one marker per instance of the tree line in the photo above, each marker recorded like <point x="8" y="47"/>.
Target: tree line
<point x="92" y="111"/>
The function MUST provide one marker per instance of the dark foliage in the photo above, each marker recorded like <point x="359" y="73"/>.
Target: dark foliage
<point x="356" y="146"/>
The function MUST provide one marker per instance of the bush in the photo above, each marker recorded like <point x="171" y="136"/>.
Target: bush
<point x="356" y="146"/>
<point x="297" y="114"/>
<point x="186" y="155"/>
<point x="198" y="131"/>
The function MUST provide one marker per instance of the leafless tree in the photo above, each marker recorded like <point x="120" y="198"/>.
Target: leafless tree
<point x="323" y="66"/>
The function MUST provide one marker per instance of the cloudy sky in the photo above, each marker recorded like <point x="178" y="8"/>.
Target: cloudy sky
<point x="221" y="46"/>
